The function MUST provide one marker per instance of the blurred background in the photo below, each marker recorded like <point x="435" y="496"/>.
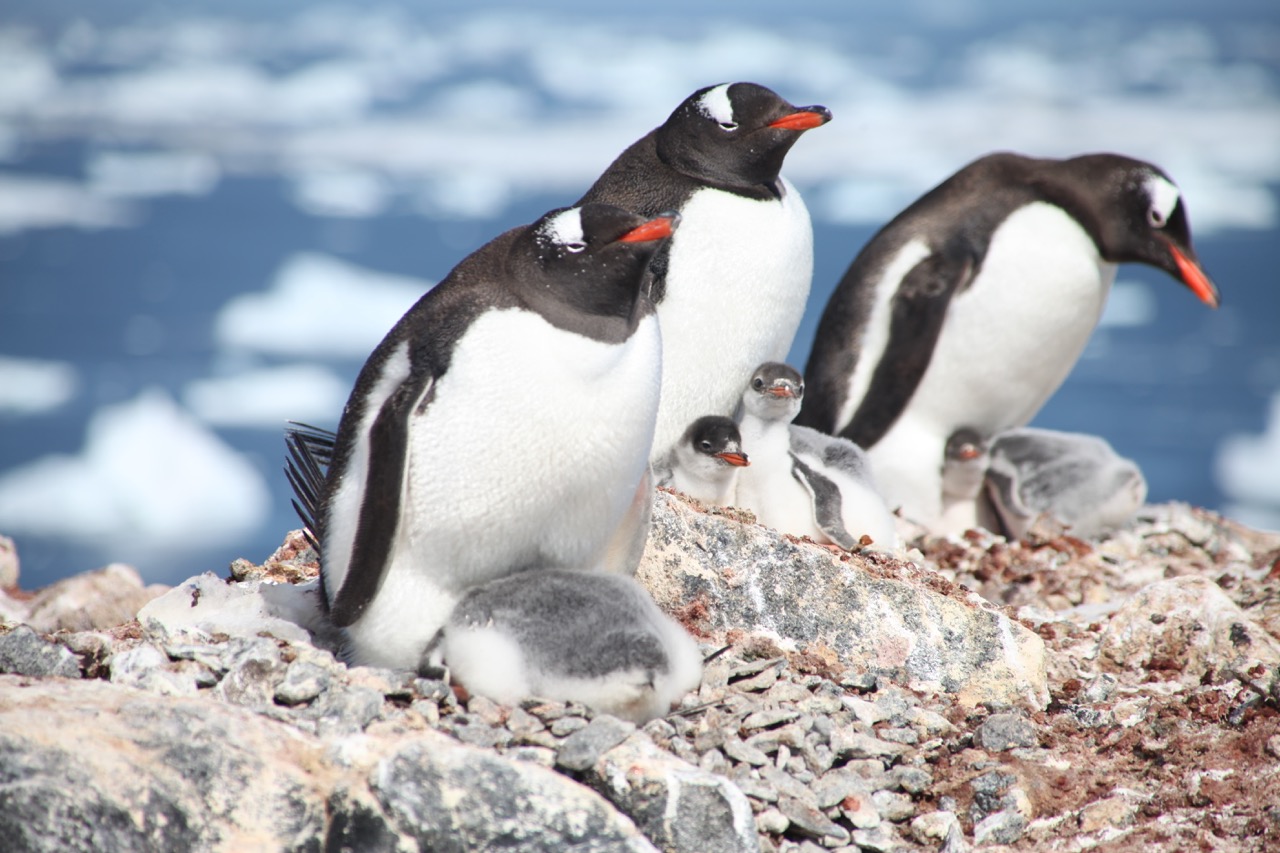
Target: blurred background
<point x="210" y="212"/>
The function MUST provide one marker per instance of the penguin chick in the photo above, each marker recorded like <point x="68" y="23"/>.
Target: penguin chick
<point x="802" y="482"/>
<point x="1074" y="478"/>
<point x="704" y="464"/>
<point x="575" y="636"/>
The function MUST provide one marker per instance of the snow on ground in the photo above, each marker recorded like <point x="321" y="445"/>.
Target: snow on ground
<point x="149" y="478"/>
<point x="31" y="386"/>
<point x="318" y="305"/>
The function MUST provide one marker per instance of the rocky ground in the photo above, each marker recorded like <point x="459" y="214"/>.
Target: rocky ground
<point x="1108" y="695"/>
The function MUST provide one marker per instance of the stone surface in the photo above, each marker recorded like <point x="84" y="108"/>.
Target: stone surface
<point x="871" y="609"/>
<point x="1005" y="731"/>
<point x="676" y="805"/>
<point x="24" y="652"/>
<point x="100" y="599"/>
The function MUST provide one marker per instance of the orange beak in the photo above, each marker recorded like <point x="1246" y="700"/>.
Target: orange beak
<point x="780" y="391"/>
<point x="1194" y="277"/>
<point x="738" y="460"/>
<point x="806" y="118"/>
<point x="655" y="229"/>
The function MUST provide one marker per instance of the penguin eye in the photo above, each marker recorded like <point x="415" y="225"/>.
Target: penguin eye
<point x="575" y="248"/>
<point x="1156" y="218"/>
<point x="705" y="445"/>
<point x="757" y="383"/>
<point x="728" y="126"/>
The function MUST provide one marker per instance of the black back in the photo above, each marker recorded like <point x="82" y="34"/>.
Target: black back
<point x="1105" y="193"/>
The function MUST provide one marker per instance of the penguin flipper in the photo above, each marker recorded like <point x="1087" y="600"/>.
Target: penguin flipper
<point x="919" y="310"/>
<point x="825" y="496"/>
<point x="381" y="499"/>
<point x="1003" y="493"/>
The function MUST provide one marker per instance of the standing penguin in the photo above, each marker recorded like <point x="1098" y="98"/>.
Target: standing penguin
<point x="704" y="464"/>
<point x="970" y="307"/>
<point x="731" y="287"/>
<point x="502" y="425"/>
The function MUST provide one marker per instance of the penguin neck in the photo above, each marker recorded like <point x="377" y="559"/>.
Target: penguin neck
<point x="609" y="313"/>
<point x="755" y="178"/>
<point x="765" y="438"/>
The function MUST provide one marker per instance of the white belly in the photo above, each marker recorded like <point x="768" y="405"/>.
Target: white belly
<point x="739" y="278"/>
<point x="1008" y="342"/>
<point x="529" y="456"/>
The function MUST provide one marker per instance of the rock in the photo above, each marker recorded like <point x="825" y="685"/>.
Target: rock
<point x="508" y="804"/>
<point x="210" y="605"/>
<point x="676" y="805"/>
<point x="749" y="575"/>
<point x="24" y="652"/>
<point x="583" y="748"/>
<point x="1187" y="628"/>
<point x="302" y="682"/>
<point x="1005" y="731"/>
<point x="999" y="828"/>
<point x="88" y="765"/>
<point x="933" y="827"/>
<point x="9" y="564"/>
<point x="808" y="819"/>
<point x="146" y="667"/>
<point x="100" y="599"/>
<point x="1112" y="812"/>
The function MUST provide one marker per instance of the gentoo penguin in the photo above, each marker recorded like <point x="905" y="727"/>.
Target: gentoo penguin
<point x="704" y="464"/>
<point x="970" y="307"/>
<point x="731" y="286"/>
<point x="593" y="638"/>
<point x="964" y="470"/>
<point x="801" y="481"/>
<point x="1074" y="478"/>
<point x="502" y="425"/>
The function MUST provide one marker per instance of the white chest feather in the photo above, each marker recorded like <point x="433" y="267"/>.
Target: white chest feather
<point x="533" y="446"/>
<point x="767" y="487"/>
<point x="736" y="287"/>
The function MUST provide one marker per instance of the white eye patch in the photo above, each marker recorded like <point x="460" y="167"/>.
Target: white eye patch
<point x="1164" y="198"/>
<point x="565" y="229"/>
<point x="715" y="104"/>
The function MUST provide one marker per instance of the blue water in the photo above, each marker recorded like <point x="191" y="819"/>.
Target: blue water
<point x="1165" y="393"/>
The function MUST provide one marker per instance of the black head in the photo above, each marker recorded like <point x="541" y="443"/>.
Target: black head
<point x="964" y="445"/>
<point x="718" y="437"/>
<point x="734" y="134"/>
<point x="1136" y="213"/>
<point x="580" y="265"/>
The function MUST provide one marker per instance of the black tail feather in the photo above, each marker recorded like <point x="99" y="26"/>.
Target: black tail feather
<point x="310" y="454"/>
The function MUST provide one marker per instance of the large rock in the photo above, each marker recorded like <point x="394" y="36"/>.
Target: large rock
<point x="874" y="612"/>
<point x="1188" y="629"/>
<point x="88" y="765"/>
<point x="99" y="599"/>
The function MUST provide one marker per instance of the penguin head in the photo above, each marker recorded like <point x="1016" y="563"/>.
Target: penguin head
<point x="717" y="441"/>
<point x="1142" y="219"/>
<point x="965" y="459"/>
<point x="591" y="258"/>
<point x="775" y="392"/>
<point x="734" y="134"/>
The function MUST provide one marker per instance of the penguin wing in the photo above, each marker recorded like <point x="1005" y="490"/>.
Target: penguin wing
<point x="1003" y="491"/>
<point x="919" y="309"/>
<point x="825" y="496"/>
<point x="381" y="497"/>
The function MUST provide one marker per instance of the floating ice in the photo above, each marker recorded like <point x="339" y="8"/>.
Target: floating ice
<point x="150" y="478"/>
<point x="41" y="202"/>
<point x="30" y="386"/>
<point x="318" y="305"/>
<point x="269" y="397"/>
<point x="1247" y="469"/>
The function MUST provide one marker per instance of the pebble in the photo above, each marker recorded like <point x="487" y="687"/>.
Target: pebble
<point x="893" y="806"/>
<point x="772" y="821"/>
<point x="584" y="747"/>
<point x="565" y="726"/>
<point x="999" y="828"/>
<point x="805" y="817"/>
<point x="24" y="652"/>
<point x="1000" y="732"/>
<point x="302" y="682"/>
<point x="932" y="827"/>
